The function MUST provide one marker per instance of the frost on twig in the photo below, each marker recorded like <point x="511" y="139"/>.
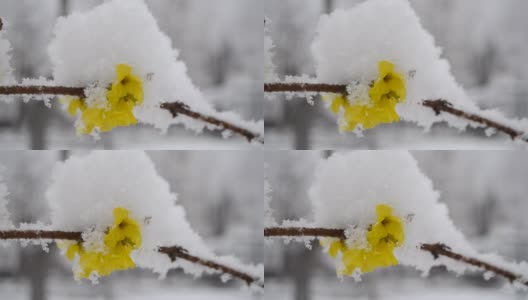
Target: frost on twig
<point x="437" y="250"/>
<point x="173" y="252"/>
<point x="437" y="106"/>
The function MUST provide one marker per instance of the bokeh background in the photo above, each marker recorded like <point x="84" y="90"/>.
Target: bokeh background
<point x="220" y="41"/>
<point x="221" y="192"/>
<point x="486" y="42"/>
<point x="485" y="192"/>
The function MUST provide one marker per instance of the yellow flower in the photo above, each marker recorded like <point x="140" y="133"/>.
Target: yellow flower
<point x="124" y="94"/>
<point x="119" y="241"/>
<point x="384" y="94"/>
<point x="382" y="238"/>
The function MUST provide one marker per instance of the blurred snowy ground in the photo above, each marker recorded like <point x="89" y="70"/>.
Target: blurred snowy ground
<point x="128" y="289"/>
<point x="402" y="136"/>
<point x="391" y="289"/>
<point x="489" y="60"/>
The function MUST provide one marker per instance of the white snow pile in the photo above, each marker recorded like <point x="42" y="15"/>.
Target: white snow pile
<point x="350" y="43"/>
<point x="348" y="187"/>
<point x="86" y="189"/>
<point x="87" y="47"/>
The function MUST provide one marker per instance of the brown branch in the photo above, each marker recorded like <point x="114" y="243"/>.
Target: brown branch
<point x="42" y="90"/>
<point x="40" y="234"/>
<point x="442" y="250"/>
<point x="1" y="24"/>
<point x="173" y="252"/>
<point x="437" y="106"/>
<point x="284" y="87"/>
<point x="176" y="252"/>
<point x="174" y="108"/>
<point x="436" y="250"/>
<point x="445" y="106"/>
<point x="304" y="231"/>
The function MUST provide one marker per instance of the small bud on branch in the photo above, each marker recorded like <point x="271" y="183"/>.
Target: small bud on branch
<point x="174" y="252"/>
<point x="436" y="250"/>
<point x="437" y="105"/>
<point x="174" y="108"/>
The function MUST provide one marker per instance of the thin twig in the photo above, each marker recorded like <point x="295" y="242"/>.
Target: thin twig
<point x="40" y="234"/>
<point x="304" y="231"/>
<point x="42" y="90"/>
<point x="174" y="108"/>
<point x="176" y="252"/>
<point x="296" y="87"/>
<point x="440" y="249"/>
<point x="173" y="252"/>
<point x="1" y="24"/>
<point x="445" y="106"/>
<point x="437" y="105"/>
<point x="436" y="250"/>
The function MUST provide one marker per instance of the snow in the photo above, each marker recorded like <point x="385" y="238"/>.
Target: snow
<point x="6" y="76"/>
<point x="348" y="186"/>
<point x="269" y="220"/>
<point x="5" y="56"/>
<point x="85" y="190"/>
<point x="346" y="53"/>
<point x="270" y="74"/>
<point x="87" y="47"/>
<point x="5" y="222"/>
<point x="41" y="81"/>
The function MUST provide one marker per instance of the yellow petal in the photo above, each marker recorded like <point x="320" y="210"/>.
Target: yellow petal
<point x="385" y="68"/>
<point x="338" y="103"/>
<point x="121" y="239"/>
<point x="123" y="96"/>
<point x="75" y="105"/>
<point x="383" y="211"/>
<point x="122" y="71"/>
<point x="382" y="238"/>
<point x="335" y="248"/>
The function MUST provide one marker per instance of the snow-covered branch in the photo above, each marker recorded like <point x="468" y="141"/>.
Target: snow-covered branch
<point x="437" y="249"/>
<point x="445" y="106"/>
<point x="175" y="108"/>
<point x="438" y="106"/>
<point x="442" y="250"/>
<point x="174" y="252"/>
